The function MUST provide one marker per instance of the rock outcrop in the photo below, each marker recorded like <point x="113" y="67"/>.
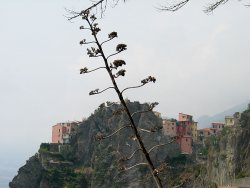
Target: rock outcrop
<point x="87" y="161"/>
<point x="91" y="161"/>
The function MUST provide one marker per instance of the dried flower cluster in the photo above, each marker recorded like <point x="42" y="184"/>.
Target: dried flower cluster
<point x="121" y="47"/>
<point x="84" y="70"/>
<point x="92" y="17"/>
<point x="82" y="42"/>
<point x="99" y="136"/>
<point x="96" y="29"/>
<point x="120" y="73"/>
<point x="118" y="63"/>
<point x="84" y="14"/>
<point x="96" y="91"/>
<point x="149" y="79"/>
<point x="93" y="52"/>
<point x="112" y="35"/>
<point x="153" y="105"/>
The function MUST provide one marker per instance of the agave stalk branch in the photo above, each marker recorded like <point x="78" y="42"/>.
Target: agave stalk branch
<point x="156" y="146"/>
<point x="116" y="131"/>
<point x="133" y="125"/>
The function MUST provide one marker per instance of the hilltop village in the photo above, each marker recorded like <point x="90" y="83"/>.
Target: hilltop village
<point x="184" y="129"/>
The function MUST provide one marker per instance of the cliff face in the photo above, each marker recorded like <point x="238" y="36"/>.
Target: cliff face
<point x="29" y="175"/>
<point x="87" y="162"/>
<point x="228" y="157"/>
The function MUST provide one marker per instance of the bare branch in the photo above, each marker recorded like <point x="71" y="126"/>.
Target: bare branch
<point x="111" y="36"/>
<point x="213" y="6"/>
<point x="133" y="87"/>
<point x="145" y="130"/>
<point x="106" y="41"/>
<point x="174" y="7"/>
<point x="113" y="54"/>
<point x="117" y="131"/>
<point x="178" y="185"/>
<point x="77" y="14"/>
<point x="152" y="129"/>
<point x="84" y="42"/>
<point x="151" y="149"/>
<point x="144" y="81"/>
<point x="85" y="70"/>
<point x="151" y="107"/>
<point x="140" y="112"/>
<point x="96" y="91"/>
<point x="130" y="157"/>
<point x="125" y="158"/>
<point x="123" y="168"/>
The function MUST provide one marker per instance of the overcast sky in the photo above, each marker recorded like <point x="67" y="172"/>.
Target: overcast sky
<point x="201" y="63"/>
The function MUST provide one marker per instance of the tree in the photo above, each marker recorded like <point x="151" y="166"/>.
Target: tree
<point x="114" y="71"/>
<point x="102" y="5"/>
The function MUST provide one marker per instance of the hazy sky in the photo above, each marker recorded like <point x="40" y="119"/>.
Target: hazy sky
<point x="201" y="63"/>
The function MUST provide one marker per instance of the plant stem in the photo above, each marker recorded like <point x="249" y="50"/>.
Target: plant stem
<point x="133" y="126"/>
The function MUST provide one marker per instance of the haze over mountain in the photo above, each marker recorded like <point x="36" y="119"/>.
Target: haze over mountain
<point x="205" y="121"/>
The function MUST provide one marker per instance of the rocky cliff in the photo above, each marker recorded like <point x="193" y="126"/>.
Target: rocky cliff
<point x="227" y="157"/>
<point x="89" y="161"/>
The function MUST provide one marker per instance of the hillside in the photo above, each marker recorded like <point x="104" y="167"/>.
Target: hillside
<point x="89" y="162"/>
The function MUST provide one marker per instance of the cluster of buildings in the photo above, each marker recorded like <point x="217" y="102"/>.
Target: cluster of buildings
<point x="185" y="130"/>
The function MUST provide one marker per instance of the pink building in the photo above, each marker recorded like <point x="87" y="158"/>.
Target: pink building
<point x="61" y="132"/>
<point x="185" y="117"/>
<point x="184" y="132"/>
<point x="186" y="145"/>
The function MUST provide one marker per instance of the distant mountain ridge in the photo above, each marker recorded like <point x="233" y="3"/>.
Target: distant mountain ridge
<point x="205" y="121"/>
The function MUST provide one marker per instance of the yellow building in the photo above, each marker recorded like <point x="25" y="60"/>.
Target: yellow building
<point x="194" y="131"/>
<point x="229" y="121"/>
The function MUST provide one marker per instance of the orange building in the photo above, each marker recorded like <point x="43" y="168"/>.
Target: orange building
<point x="61" y="132"/>
<point x="206" y="132"/>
